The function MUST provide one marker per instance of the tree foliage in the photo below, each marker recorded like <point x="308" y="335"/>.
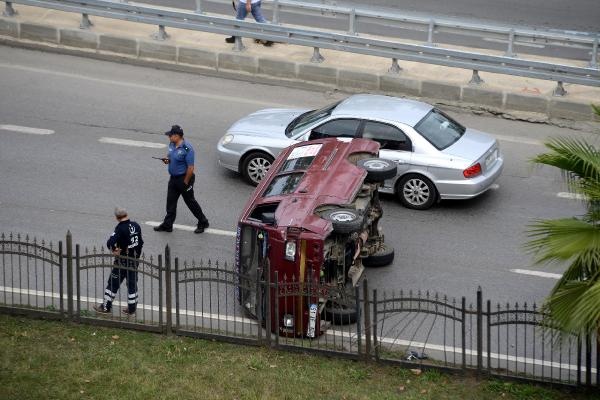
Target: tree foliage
<point x="574" y="302"/>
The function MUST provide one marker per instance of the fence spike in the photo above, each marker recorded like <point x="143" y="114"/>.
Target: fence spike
<point x="3" y="236"/>
<point x="209" y="263"/>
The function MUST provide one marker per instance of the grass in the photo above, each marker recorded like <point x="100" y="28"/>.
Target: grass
<point x="57" y="360"/>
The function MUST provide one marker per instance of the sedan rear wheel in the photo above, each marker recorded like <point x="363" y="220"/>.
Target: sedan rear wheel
<point x="416" y="192"/>
<point x="255" y="167"/>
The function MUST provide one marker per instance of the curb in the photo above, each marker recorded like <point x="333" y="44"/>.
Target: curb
<point x="269" y="70"/>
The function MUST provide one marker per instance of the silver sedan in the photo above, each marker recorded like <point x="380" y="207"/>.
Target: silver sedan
<point x="437" y="157"/>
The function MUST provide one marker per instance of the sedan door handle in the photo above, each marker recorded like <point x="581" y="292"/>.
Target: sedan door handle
<point x="399" y="161"/>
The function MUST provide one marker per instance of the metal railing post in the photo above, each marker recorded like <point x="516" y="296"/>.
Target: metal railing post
<point x="511" y="41"/>
<point x="352" y="22"/>
<point x="199" y="6"/>
<point x="161" y="34"/>
<point x="176" y="280"/>
<point x="276" y="299"/>
<point x="61" y="289"/>
<point x="374" y="325"/>
<point x="367" y="318"/>
<point x="479" y="331"/>
<point x="475" y="79"/>
<point x="168" y="290"/>
<point x="77" y="280"/>
<point x="275" y="12"/>
<point x="588" y="360"/>
<point x="559" y="90"/>
<point x="239" y="45"/>
<point x="594" y="60"/>
<point x="9" y="11"/>
<point x="463" y="314"/>
<point x="395" y="68"/>
<point x="267" y="298"/>
<point x="430" y="32"/>
<point x="489" y="336"/>
<point x="69" y="275"/>
<point x="317" y="57"/>
<point x="86" y="23"/>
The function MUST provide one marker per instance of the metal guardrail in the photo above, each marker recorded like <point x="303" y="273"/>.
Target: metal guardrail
<point x="164" y="17"/>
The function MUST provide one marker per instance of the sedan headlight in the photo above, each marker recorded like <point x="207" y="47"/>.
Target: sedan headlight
<point x="290" y="250"/>
<point x="226" y="139"/>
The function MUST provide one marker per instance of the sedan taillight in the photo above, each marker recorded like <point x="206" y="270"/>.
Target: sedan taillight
<point x="472" y="171"/>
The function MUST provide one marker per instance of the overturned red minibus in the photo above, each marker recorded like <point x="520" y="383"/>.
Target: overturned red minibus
<point x="312" y="222"/>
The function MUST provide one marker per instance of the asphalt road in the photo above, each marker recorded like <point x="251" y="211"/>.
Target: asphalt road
<point x="72" y="179"/>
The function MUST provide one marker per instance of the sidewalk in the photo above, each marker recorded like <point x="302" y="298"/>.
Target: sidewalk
<point x="289" y="65"/>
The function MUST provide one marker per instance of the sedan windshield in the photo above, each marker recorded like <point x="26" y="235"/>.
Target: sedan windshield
<point x="308" y="118"/>
<point x="439" y="129"/>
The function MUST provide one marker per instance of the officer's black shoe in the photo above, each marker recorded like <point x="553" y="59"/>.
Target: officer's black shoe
<point x="162" y="228"/>
<point x="202" y="226"/>
<point x="127" y="311"/>
<point x="230" y="39"/>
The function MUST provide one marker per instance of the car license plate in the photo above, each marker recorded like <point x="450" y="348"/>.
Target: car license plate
<point x="491" y="159"/>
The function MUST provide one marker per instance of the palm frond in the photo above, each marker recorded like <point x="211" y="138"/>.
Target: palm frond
<point x="579" y="161"/>
<point x="562" y="239"/>
<point x="575" y="307"/>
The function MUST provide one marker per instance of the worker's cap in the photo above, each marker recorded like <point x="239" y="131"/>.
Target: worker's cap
<point x="175" y="130"/>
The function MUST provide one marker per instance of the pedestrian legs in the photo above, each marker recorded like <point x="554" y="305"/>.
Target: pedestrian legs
<point x="192" y="203"/>
<point x="114" y="281"/>
<point x="173" y="194"/>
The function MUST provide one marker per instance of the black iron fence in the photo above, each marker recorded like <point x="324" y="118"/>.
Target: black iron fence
<point x="213" y="300"/>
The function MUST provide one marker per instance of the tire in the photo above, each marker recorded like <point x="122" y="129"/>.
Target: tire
<point x="378" y="169"/>
<point x="344" y="220"/>
<point x="255" y="166"/>
<point x="383" y="257"/>
<point x="416" y="192"/>
<point x="340" y="315"/>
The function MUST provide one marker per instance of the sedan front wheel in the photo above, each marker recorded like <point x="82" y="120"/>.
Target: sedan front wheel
<point x="416" y="192"/>
<point x="255" y="167"/>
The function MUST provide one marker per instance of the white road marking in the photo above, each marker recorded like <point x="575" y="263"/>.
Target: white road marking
<point x="135" y="143"/>
<point x="572" y="196"/>
<point x="192" y="228"/>
<point x="537" y="273"/>
<point x="494" y="186"/>
<point x="26" y="129"/>
<point x="330" y="332"/>
<point x="229" y="99"/>
<point x="517" y="139"/>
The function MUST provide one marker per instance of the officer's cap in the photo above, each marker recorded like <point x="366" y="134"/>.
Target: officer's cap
<point x="175" y="130"/>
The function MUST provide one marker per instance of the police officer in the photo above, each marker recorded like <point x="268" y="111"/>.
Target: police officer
<point x="181" y="168"/>
<point x="126" y="244"/>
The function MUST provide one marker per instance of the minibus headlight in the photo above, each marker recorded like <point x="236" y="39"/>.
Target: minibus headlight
<point x="288" y="321"/>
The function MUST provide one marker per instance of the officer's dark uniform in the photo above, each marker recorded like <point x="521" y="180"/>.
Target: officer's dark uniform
<point x="127" y="237"/>
<point x="180" y="157"/>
